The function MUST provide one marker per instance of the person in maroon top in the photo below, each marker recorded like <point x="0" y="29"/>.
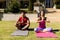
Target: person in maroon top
<point x="23" y="22"/>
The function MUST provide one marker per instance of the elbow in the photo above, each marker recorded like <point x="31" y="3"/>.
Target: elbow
<point x="48" y="21"/>
<point x="28" y="24"/>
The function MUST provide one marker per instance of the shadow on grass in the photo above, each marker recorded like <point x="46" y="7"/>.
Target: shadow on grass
<point x="31" y="29"/>
<point x="55" y="30"/>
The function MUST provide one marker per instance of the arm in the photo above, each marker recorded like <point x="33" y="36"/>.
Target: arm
<point x="17" y="23"/>
<point x="38" y="20"/>
<point x="20" y="20"/>
<point x="28" y="24"/>
<point x="47" y="20"/>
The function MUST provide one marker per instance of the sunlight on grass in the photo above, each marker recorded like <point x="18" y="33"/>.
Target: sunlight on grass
<point x="7" y="27"/>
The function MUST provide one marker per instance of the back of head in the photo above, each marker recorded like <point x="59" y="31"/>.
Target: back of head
<point x="42" y="13"/>
<point x="23" y="12"/>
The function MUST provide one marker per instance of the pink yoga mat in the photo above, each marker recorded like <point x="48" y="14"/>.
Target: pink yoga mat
<point x="46" y="35"/>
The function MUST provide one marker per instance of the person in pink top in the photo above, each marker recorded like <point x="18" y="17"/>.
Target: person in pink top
<point x="42" y="20"/>
<point x="42" y="23"/>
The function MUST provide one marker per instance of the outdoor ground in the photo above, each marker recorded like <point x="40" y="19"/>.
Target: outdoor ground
<point x="7" y="27"/>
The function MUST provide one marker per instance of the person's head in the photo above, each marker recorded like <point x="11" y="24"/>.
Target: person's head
<point x="42" y="13"/>
<point x="23" y="13"/>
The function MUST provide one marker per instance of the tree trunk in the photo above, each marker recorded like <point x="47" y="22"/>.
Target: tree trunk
<point x="30" y="5"/>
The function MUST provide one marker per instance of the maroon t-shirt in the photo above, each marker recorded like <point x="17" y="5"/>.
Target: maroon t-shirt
<point x="23" y="19"/>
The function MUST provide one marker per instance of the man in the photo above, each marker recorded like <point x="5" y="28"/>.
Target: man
<point x="23" y="22"/>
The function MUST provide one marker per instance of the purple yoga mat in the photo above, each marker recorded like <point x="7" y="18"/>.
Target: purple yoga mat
<point x="46" y="35"/>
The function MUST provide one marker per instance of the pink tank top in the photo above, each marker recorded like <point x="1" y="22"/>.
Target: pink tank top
<point x="42" y="24"/>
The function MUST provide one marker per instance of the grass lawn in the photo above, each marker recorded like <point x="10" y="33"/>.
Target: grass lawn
<point x="7" y="27"/>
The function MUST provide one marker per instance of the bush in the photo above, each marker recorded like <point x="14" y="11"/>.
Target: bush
<point x="14" y="6"/>
<point x="58" y="6"/>
<point x="6" y="11"/>
<point x="30" y="5"/>
<point x="25" y="9"/>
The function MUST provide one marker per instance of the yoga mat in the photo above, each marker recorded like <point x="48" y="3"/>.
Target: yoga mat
<point x="46" y="35"/>
<point x="20" y="33"/>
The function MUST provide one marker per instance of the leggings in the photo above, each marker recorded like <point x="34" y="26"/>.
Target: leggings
<point x="21" y="26"/>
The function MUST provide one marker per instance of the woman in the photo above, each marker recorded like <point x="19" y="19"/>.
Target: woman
<point x="42" y="23"/>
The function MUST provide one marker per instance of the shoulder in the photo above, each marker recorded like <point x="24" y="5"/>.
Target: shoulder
<point x="27" y="18"/>
<point x="20" y="17"/>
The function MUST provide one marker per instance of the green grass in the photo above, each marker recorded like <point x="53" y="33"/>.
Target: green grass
<point x="7" y="27"/>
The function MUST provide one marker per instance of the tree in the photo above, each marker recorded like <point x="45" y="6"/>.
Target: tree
<point x="30" y="5"/>
<point x="14" y="6"/>
<point x="41" y="1"/>
<point x="58" y="4"/>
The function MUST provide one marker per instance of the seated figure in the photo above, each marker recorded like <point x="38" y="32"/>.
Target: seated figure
<point x="23" y="22"/>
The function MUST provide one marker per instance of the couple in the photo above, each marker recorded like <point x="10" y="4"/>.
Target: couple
<point x="23" y="22"/>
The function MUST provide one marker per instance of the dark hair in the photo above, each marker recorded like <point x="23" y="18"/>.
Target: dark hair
<point x="23" y="12"/>
<point x="43" y="13"/>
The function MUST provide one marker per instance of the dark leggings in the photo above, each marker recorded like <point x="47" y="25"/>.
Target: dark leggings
<point x="21" y="26"/>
